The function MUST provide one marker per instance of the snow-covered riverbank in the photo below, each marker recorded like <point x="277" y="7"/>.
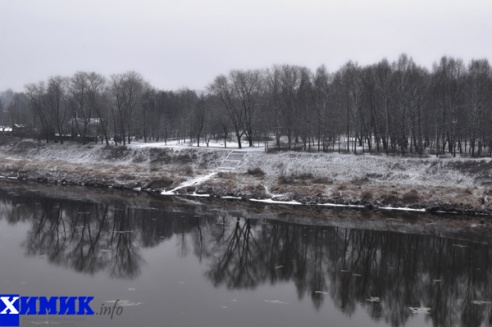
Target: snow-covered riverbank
<point x="372" y="181"/>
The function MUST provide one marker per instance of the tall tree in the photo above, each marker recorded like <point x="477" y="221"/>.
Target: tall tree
<point x="98" y="100"/>
<point x="126" y="90"/>
<point x="36" y="93"/>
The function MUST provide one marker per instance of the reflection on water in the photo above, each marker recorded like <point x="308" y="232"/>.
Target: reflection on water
<point x="382" y="273"/>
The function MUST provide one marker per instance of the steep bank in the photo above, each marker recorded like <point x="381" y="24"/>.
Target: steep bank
<point x="460" y="185"/>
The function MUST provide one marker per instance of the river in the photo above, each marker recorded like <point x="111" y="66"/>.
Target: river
<point x="183" y="262"/>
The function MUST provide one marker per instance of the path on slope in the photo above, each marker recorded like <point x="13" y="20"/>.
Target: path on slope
<point x="230" y="163"/>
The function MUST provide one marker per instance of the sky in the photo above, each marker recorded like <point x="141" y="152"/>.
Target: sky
<point x="187" y="43"/>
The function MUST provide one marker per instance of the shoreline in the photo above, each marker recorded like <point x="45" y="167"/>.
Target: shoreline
<point x="361" y="182"/>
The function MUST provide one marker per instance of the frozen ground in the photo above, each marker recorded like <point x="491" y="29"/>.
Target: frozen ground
<point x="331" y="179"/>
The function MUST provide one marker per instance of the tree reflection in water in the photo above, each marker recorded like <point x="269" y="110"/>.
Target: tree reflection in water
<point x="383" y="273"/>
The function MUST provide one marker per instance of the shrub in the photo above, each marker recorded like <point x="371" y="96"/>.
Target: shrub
<point x="366" y="196"/>
<point x="256" y="172"/>
<point x="188" y="171"/>
<point x="411" y="196"/>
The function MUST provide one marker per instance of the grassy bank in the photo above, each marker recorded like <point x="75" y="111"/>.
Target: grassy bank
<point x="460" y="185"/>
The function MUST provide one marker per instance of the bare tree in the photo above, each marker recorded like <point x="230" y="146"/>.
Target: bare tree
<point x="56" y="99"/>
<point x="18" y="110"/>
<point x="36" y="93"/>
<point x="98" y="101"/>
<point x="274" y="100"/>
<point x="290" y="78"/>
<point x="126" y="90"/>
<point x="321" y="100"/>
<point x="248" y="86"/>
<point x="224" y="90"/>
<point x="80" y="106"/>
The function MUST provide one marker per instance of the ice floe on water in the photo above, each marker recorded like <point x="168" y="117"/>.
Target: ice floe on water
<point x="275" y="301"/>
<point x="124" y="303"/>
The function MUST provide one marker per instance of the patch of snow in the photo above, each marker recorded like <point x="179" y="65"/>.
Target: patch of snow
<point x="231" y="197"/>
<point x="402" y="209"/>
<point x="211" y="145"/>
<point x="200" y="195"/>
<point x="190" y="182"/>
<point x="276" y="202"/>
<point x="341" y="205"/>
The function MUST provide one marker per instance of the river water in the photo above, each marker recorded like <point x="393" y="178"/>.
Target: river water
<point x="183" y="262"/>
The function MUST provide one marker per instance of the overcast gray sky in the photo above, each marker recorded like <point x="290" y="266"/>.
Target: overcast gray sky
<point x="187" y="43"/>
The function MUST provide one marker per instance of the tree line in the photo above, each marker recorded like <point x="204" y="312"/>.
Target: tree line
<point x="390" y="107"/>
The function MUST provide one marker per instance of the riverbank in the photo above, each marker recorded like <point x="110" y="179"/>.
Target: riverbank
<point x="378" y="182"/>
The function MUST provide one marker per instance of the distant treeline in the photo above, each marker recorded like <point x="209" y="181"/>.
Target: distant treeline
<point x="396" y="107"/>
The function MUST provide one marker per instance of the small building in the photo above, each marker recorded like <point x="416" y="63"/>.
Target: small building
<point x="87" y="129"/>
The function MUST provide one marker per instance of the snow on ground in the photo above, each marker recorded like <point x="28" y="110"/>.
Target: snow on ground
<point x="276" y="202"/>
<point x="336" y="167"/>
<point x="376" y="168"/>
<point x="190" y="182"/>
<point x="211" y="146"/>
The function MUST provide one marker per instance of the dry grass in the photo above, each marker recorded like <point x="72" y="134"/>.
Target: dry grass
<point x="341" y="187"/>
<point x="323" y="180"/>
<point x="411" y="196"/>
<point x="359" y="181"/>
<point x="295" y="178"/>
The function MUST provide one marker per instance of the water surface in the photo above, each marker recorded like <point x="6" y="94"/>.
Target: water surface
<point x="182" y="263"/>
